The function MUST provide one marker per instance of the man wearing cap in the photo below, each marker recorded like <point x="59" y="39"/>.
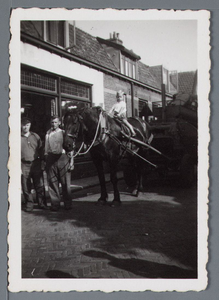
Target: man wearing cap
<point x="31" y="153"/>
<point x="58" y="166"/>
<point x="119" y="110"/>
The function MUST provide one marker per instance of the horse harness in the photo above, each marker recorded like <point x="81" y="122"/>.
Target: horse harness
<point x="124" y="145"/>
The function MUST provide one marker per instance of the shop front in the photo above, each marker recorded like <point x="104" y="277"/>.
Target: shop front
<point x="43" y="95"/>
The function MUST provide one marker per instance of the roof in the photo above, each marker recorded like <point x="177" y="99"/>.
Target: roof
<point x="120" y="47"/>
<point x="187" y="82"/>
<point x="146" y="76"/>
<point x="156" y="71"/>
<point x="90" y="49"/>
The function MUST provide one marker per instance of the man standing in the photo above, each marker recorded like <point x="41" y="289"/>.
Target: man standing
<point x="58" y="166"/>
<point x="31" y="153"/>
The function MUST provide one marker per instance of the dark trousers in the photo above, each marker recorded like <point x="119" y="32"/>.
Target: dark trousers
<point x="57" y="171"/>
<point x="32" y="171"/>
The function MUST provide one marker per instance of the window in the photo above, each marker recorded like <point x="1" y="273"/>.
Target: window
<point x="55" y="32"/>
<point x="128" y="66"/>
<point x="79" y="91"/>
<point x="67" y="103"/>
<point x="70" y="92"/>
<point x="38" y="80"/>
<point x="170" y="79"/>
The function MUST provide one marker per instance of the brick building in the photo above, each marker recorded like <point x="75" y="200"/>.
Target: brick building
<point x="61" y="64"/>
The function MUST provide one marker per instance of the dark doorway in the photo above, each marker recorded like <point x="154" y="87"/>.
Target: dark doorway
<point x="39" y="108"/>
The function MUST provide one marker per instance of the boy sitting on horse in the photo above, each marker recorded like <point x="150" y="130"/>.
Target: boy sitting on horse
<point x="119" y="111"/>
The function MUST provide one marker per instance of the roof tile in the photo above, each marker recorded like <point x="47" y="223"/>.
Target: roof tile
<point x="186" y="81"/>
<point x="146" y="76"/>
<point x="90" y="49"/>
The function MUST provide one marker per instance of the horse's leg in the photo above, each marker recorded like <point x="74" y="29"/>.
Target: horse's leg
<point x="140" y="180"/>
<point x="139" y="185"/>
<point x="135" y="189"/>
<point x="99" y="165"/>
<point x="113" y="177"/>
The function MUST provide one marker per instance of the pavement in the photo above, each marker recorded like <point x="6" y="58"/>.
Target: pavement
<point x="152" y="236"/>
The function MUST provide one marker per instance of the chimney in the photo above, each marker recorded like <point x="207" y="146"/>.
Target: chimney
<point x="114" y="37"/>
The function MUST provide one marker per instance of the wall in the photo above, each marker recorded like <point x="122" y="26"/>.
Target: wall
<point x="41" y="59"/>
<point x="113" y="84"/>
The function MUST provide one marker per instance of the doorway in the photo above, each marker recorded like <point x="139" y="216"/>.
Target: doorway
<point x="39" y="108"/>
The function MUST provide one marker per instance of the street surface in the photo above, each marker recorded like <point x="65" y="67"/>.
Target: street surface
<point x="152" y="236"/>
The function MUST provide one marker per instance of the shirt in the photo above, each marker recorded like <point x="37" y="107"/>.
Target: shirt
<point x="119" y="108"/>
<point x="54" y="141"/>
<point x="30" y="146"/>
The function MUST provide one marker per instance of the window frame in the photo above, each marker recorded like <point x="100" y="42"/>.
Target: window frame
<point x="127" y="66"/>
<point x="65" y="33"/>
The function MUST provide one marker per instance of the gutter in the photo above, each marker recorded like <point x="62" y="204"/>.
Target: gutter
<point x="72" y="57"/>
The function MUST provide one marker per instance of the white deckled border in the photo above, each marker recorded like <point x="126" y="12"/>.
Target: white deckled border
<point x="16" y="283"/>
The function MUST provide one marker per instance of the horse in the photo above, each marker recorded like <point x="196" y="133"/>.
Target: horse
<point x="108" y="145"/>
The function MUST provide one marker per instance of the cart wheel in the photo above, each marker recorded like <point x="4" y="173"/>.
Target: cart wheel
<point x="130" y="176"/>
<point x="187" y="171"/>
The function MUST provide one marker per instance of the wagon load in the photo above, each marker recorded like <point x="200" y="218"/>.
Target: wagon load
<point x="173" y="147"/>
<point x="182" y="106"/>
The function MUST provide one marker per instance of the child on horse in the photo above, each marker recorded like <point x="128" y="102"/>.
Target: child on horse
<point x="119" y="111"/>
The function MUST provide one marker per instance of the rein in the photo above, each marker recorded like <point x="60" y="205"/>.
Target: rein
<point x="94" y="140"/>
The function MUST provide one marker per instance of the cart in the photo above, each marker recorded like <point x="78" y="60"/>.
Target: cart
<point x="173" y="148"/>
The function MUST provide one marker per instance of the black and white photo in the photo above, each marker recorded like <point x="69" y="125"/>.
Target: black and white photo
<point x="108" y="163"/>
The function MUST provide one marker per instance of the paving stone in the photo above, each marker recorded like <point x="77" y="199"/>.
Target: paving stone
<point x="101" y="242"/>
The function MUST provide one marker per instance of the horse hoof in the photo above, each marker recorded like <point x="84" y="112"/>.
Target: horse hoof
<point x="116" y="203"/>
<point x="135" y="193"/>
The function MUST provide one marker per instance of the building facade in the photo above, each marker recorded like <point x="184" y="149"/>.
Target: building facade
<point x="62" y="65"/>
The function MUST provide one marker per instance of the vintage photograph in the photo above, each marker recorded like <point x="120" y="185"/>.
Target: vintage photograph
<point x="108" y="150"/>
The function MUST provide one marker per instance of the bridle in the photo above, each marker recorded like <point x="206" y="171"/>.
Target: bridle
<point x="75" y="135"/>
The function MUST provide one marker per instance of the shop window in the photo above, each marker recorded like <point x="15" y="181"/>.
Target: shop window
<point x="75" y="89"/>
<point x="37" y="80"/>
<point x="66" y="104"/>
<point x="41" y="95"/>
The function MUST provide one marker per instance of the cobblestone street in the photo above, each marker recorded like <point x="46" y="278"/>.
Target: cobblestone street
<point x="152" y="236"/>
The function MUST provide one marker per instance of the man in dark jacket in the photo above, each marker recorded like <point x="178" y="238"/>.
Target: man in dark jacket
<point x="31" y="154"/>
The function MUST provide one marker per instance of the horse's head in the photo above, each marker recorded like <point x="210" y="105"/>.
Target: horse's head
<point x="80" y="123"/>
<point x="72" y="125"/>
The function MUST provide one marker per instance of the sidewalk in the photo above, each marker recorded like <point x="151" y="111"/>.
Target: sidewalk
<point x="83" y="183"/>
<point x="77" y="184"/>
